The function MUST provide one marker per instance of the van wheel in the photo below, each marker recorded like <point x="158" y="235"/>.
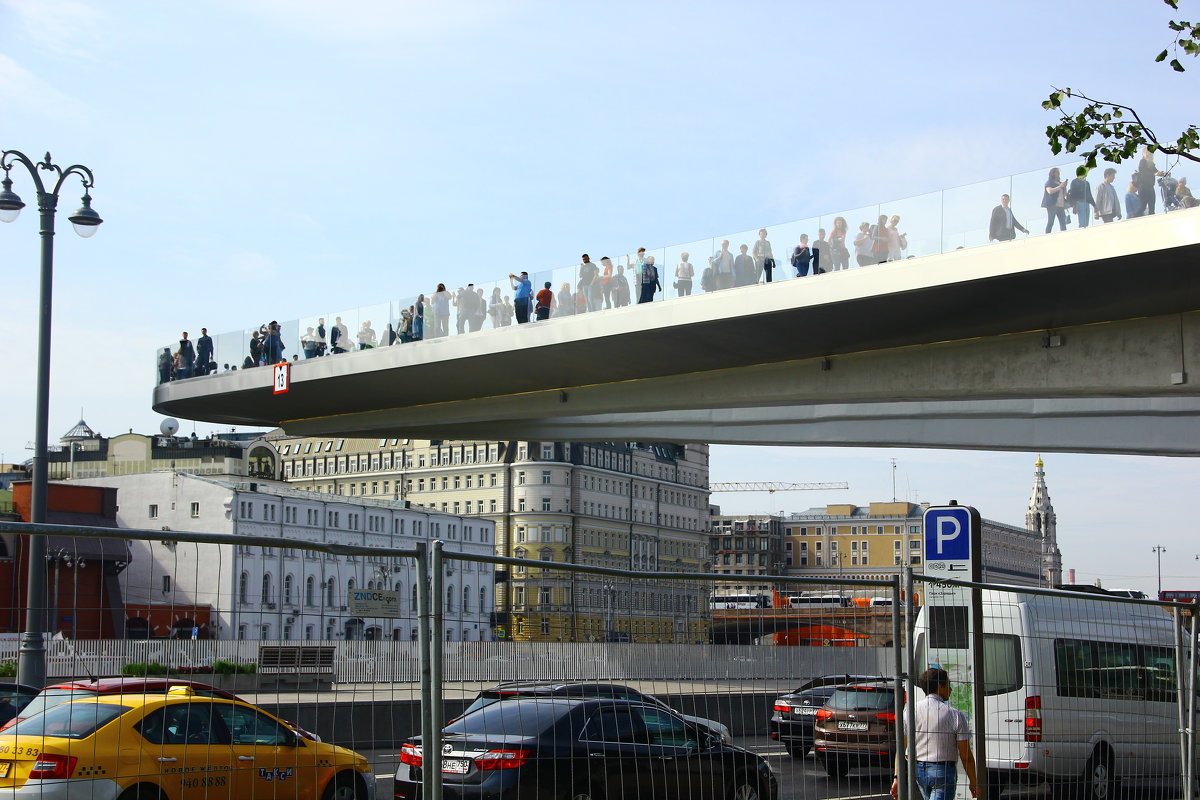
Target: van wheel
<point x="1099" y="777"/>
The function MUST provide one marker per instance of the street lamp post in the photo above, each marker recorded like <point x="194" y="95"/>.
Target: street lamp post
<point x="31" y="663"/>
<point x="1158" y="551"/>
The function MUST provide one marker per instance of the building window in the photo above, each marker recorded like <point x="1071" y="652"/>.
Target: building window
<point x="545" y="504"/>
<point x="310" y="585"/>
<point x="520" y="478"/>
<point x="166" y="584"/>
<point x="195" y="510"/>
<point x="545" y="626"/>
<point x="244" y="588"/>
<point x="153" y="511"/>
<point x="546" y="476"/>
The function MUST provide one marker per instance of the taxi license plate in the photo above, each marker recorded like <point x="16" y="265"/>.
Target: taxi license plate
<point x="852" y="726"/>
<point x="458" y="766"/>
<point x="805" y="711"/>
<point x="4" y="767"/>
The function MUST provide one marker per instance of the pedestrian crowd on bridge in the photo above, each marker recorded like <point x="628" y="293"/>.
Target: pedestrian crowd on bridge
<point x="604" y="285"/>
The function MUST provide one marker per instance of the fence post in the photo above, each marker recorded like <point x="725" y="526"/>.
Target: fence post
<point x="979" y="689"/>
<point x="437" y="628"/>
<point x="901" y="674"/>
<point x="431" y="750"/>
<point x="1181" y="688"/>
<point x="1189" y="772"/>
<point x="910" y="711"/>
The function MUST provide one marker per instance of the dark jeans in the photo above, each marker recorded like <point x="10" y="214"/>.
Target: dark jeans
<point x="542" y="312"/>
<point x="936" y="780"/>
<point x="1147" y="198"/>
<point x="521" y="309"/>
<point x="1052" y="213"/>
<point x="647" y="295"/>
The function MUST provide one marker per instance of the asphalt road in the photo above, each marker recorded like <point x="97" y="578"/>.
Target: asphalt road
<point x="803" y="779"/>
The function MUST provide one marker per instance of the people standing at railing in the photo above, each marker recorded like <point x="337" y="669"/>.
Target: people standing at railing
<point x="820" y="248"/>
<point x="1184" y="194"/>
<point x="187" y="358"/>
<point x="1054" y="200"/>
<point x="802" y="256"/>
<point x="273" y="348"/>
<point x="507" y="312"/>
<point x="607" y="284"/>
<point x="321" y="342"/>
<point x="722" y="266"/>
<point x="404" y="329"/>
<point x="1108" y="205"/>
<point x="366" y="336"/>
<point x="480" y="314"/>
<point x="462" y="304"/>
<point x="1080" y="199"/>
<point x="564" y="301"/>
<point x="650" y="283"/>
<point x="545" y="299"/>
<point x="620" y="287"/>
<point x="684" y="273"/>
<point x="204" y="351"/>
<point x="308" y="344"/>
<point x="1004" y="224"/>
<point x="863" y="244"/>
<point x="441" y="311"/>
<point x="1143" y="178"/>
<point x="743" y="267"/>
<point x="879" y="240"/>
<point x="1132" y="202"/>
<point x="495" y="307"/>
<point x="589" y="283"/>
<point x="166" y="364"/>
<point x="897" y="241"/>
<point x="764" y="258"/>
<point x="837" y="244"/>
<point x="522" y="289"/>
<point x="419" y="318"/>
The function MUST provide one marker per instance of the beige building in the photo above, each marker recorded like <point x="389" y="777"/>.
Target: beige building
<point x="878" y="540"/>
<point x="623" y="505"/>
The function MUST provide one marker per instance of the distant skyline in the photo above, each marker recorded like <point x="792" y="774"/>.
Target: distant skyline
<point x="260" y="159"/>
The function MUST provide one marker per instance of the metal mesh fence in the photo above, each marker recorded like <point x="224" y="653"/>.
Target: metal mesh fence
<point x="579" y="681"/>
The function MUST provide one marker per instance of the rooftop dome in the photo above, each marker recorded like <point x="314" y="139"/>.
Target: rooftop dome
<point x="80" y="431"/>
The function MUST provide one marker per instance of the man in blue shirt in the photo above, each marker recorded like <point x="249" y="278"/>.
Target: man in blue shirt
<point x="522" y="288"/>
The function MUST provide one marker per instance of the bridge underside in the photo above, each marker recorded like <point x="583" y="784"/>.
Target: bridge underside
<point x="1081" y="341"/>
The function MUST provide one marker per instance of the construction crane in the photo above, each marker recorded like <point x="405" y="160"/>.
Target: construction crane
<point x="774" y="486"/>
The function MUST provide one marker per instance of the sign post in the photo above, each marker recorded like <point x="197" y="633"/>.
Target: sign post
<point x="952" y="550"/>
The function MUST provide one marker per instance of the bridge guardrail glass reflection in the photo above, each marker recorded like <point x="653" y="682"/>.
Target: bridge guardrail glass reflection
<point x="937" y="222"/>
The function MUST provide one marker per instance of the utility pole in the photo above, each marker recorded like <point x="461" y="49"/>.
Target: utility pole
<point x="1159" y="550"/>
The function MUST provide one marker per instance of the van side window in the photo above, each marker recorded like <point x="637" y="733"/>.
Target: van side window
<point x="1114" y="671"/>
<point x="1001" y="663"/>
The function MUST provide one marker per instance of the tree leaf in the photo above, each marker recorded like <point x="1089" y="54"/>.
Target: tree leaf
<point x="1161" y="57"/>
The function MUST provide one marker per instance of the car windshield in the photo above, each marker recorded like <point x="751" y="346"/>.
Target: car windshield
<point x="862" y="698"/>
<point x="16" y="698"/>
<point x="70" y="720"/>
<point x="49" y="698"/>
<point x="519" y="719"/>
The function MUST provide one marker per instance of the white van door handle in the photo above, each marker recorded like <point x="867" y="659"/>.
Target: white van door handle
<point x="245" y="758"/>
<point x="162" y="759"/>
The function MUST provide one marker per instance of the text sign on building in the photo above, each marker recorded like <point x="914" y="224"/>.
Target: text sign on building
<point x="281" y="377"/>
<point x="373" y="603"/>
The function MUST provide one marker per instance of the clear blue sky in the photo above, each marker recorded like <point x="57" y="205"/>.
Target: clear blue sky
<point x="261" y="159"/>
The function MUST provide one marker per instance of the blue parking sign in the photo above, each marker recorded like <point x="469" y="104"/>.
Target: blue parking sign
<point x="948" y="533"/>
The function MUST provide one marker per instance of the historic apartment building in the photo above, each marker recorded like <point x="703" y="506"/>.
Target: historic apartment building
<point x="625" y="505"/>
<point x="284" y="591"/>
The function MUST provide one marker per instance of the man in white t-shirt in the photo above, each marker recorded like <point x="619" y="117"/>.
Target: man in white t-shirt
<point x="942" y="738"/>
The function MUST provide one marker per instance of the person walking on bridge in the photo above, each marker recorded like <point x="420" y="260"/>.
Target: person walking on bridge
<point x="1004" y="225"/>
<point x="942" y="738"/>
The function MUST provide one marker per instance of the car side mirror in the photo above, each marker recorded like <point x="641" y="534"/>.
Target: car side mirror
<point x="709" y="740"/>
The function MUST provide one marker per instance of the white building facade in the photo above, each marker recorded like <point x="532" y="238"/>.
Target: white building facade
<point x="287" y="592"/>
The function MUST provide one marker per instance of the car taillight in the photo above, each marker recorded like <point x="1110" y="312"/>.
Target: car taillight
<point x="1033" y="719"/>
<point x="502" y="759"/>
<point x="49" y="765"/>
<point x="823" y="714"/>
<point x="411" y="755"/>
<point x="784" y="707"/>
<point x="887" y="716"/>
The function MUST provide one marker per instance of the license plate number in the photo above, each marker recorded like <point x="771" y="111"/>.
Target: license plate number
<point x="458" y="766"/>
<point x="4" y="766"/>
<point x="804" y="711"/>
<point x="852" y="726"/>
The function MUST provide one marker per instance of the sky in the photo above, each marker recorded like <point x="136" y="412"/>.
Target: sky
<point x="259" y="159"/>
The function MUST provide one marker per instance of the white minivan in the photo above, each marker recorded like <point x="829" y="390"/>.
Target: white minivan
<point x="1077" y="688"/>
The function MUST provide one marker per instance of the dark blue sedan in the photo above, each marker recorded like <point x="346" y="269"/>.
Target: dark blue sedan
<point x="562" y="748"/>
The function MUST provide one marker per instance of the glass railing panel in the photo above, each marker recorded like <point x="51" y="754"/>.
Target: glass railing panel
<point x="855" y="218"/>
<point x="372" y="326"/>
<point x="914" y="226"/>
<point x="966" y="211"/>
<point x="229" y="350"/>
<point x="1027" y="191"/>
<point x="566" y="300"/>
<point x="684" y="260"/>
<point x="785" y="239"/>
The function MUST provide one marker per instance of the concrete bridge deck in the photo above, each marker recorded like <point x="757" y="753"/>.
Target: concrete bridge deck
<point x="1061" y="342"/>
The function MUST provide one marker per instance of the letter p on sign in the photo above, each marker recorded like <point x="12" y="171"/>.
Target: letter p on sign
<point x="947" y="533"/>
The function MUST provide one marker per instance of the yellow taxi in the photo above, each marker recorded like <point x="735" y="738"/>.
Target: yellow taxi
<point x="177" y="746"/>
